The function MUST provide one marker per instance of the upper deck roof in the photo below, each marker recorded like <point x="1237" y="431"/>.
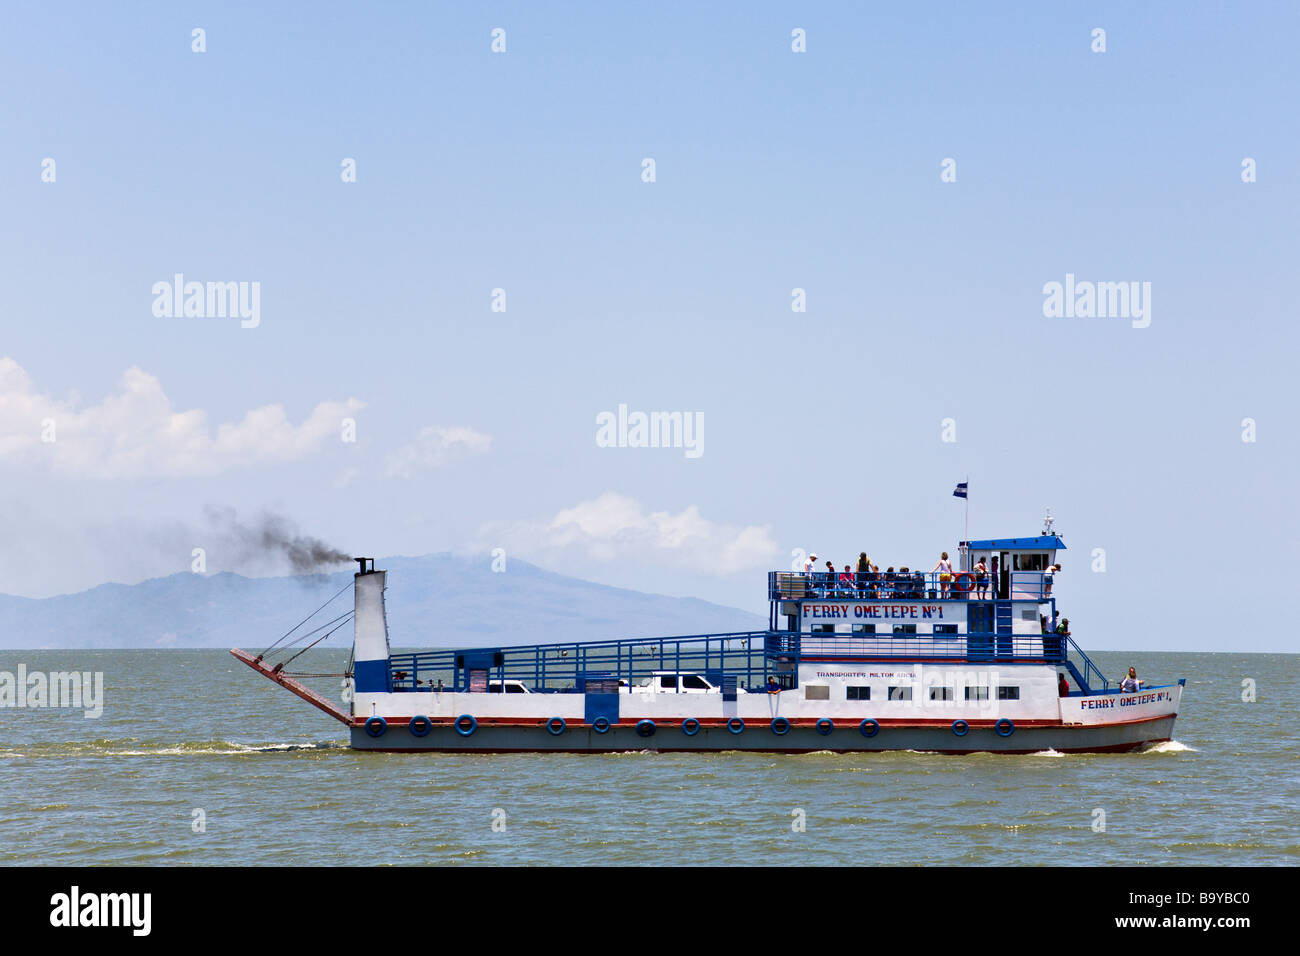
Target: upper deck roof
<point x="1044" y="542"/>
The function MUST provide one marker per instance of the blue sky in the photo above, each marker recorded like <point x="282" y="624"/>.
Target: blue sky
<point x="775" y="170"/>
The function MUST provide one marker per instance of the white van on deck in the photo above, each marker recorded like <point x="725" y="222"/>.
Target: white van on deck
<point x="672" y="682"/>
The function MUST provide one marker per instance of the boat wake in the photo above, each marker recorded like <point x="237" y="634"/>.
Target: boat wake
<point x="1168" y="747"/>
<point x="132" y="748"/>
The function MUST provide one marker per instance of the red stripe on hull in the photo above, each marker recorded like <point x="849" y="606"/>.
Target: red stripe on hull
<point x="1110" y="748"/>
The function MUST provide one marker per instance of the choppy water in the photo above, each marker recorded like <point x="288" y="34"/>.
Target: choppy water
<point x="196" y="730"/>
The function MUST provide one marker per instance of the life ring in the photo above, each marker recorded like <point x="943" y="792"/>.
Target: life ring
<point x="960" y="728"/>
<point x="735" y="725"/>
<point x="780" y="726"/>
<point x="690" y="726"/>
<point x="463" y="728"/>
<point x="869" y="727"/>
<point x="1005" y="727"/>
<point x="645" y="728"/>
<point x="556" y="726"/>
<point x="376" y="726"/>
<point x="420" y="726"/>
<point x="957" y="581"/>
<point x="825" y="726"/>
<point x="600" y="725"/>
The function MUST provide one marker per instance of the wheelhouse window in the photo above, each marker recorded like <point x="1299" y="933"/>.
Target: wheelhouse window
<point x="1008" y="693"/>
<point x="855" y="692"/>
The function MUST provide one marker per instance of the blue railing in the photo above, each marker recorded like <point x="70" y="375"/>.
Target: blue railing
<point x="748" y="657"/>
<point x="550" y="668"/>
<point x="906" y="586"/>
<point x="1089" y="676"/>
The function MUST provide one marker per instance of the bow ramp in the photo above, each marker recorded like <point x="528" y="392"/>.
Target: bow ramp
<point x="294" y="686"/>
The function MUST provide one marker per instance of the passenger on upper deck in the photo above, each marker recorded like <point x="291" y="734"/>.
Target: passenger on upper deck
<point x="944" y="567"/>
<point x="1054" y="643"/>
<point x="1047" y="579"/>
<point x="810" y="564"/>
<point x="829" y="579"/>
<point x="846" y="581"/>
<point x="981" y="579"/>
<point x="864" y="569"/>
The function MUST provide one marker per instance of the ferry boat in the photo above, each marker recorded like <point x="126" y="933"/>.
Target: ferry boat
<point x="955" y="664"/>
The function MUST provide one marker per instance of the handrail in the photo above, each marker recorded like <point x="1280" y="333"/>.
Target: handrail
<point x="564" y="666"/>
<point x="749" y="656"/>
<point x="909" y="585"/>
<point x="1089" y="668"/>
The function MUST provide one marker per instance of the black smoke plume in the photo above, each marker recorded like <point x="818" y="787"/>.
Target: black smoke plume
<point x="275" y="538"/>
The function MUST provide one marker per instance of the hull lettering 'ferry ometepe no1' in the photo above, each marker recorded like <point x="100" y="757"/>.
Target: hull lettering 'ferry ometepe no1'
<point x="969" y="661"/>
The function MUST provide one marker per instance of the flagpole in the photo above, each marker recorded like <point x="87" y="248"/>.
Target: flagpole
<point x="967" y="535"/>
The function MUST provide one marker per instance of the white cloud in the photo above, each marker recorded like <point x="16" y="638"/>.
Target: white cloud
<point x="434" y="447"/>
<point x="135" y="432"/>
<point x="613" y="527"/>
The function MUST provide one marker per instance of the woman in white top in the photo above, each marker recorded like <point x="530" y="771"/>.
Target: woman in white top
<point x="1047" y="579"/>
<point x="944" y="567"/>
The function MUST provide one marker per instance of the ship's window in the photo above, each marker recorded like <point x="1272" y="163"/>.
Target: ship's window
<point x="977" y="693"/>
<point x="1028" y="614"/>
<point x="945" y="629"/>
<point x="816" y="691"/>
<point x="1030" y="562"/>
<point x="823" y="628"/>
<point x="857" y="693"/>
<point x="694" y="682"/>
<point x="941" y="693"/>
<point x="900" y="693"/>
<point x="904" y="628"/>
<point x="668" y="681"/>
<point x="864" y="629"/>
<point x="1008" y="693"/>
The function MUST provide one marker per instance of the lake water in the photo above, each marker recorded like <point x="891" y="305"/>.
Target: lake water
<point x="187" y="731"/>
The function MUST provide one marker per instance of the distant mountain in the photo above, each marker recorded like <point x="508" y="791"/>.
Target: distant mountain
<point x="438" y="600"/>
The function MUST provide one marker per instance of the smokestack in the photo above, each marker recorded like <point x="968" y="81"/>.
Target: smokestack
<point x="370" y="648"/>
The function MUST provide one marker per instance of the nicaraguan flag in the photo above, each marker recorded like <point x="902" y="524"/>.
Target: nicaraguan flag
<point x="961" y="490"/>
